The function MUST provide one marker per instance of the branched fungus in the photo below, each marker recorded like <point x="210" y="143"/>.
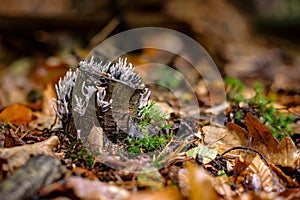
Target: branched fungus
<point x="110" y="94"/>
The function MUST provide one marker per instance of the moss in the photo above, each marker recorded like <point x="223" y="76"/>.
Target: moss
<point x="278" y="122"/>
<point x="152" y="122"/>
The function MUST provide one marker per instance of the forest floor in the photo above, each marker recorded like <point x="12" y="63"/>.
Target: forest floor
<point x="247" y="147"/>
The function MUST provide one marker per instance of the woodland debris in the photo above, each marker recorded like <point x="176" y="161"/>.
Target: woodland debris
<point x="87" y="189"/>
<point x="16" y="114"/>
<point x="40" y="171"/>
<point x="15" y="157"/>
<point x="258" y="137"/>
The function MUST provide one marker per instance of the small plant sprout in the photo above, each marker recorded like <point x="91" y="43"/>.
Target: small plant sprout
<point x="278" y="122"/>
<point x="152" y="122"/>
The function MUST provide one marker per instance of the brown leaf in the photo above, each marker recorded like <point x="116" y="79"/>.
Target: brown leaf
<point x="16" y="157"/>
<point x="168" y="193"/>
<point x="12" y="139"/>
<point x="16" y="114"/>
<point x="41" y="122"/>
<point x="286" y="179"/>
<point x="93" y="190"/>
<point x="240" y="132"/>
<point x="47" y="103"/>
<point x="220" y="138"/>
<point x="196" y="183"/>
<point x="287" y="154"/>
<point x="82" y="172"/>
<point x="260" y="133"/>
<point x="269" y="181"/>
<point x="282" y="153"/>
<point x="221" y="185"/>
<point x="295" y="110"/>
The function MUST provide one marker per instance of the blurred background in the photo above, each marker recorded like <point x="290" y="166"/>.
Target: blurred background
<point x="249" y="39"/>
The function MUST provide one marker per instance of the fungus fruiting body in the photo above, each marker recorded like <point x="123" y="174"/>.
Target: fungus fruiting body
<point x="107" y="94"/>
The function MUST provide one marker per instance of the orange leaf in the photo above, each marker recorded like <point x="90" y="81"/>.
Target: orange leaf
<point x="169" y="193"/>
<point x="17" y="114"/>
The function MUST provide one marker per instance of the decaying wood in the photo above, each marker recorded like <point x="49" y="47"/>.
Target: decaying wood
<point x="118" y="121"/>
<point x="40" y="171"/>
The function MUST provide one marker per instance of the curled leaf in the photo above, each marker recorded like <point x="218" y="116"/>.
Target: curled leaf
<point x="262" y="174"/>
<point x="16" y="157"/>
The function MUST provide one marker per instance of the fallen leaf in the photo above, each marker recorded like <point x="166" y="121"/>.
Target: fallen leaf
<point x="47" y="103"/>
<point x="195" y="183"/>
<point x="286" y="179"/>
<point x="42" y="121"/>
<point x="292" y="193"/>
<point x="207" y="153"/>
<point x="221" y="138"/>
<point x="82" y="172"/>
<point x="17" y="114"/>
<point x="260" y="134"/>
<point x="16" y="157"/>
<point x="222" y="187"/>
<point x="168" y="193"/>
<point x="12" y="139"/>
<point x="93" y="190"/>
<point x="260" y="138"/>
<point x="287" y="154"/>
<point x="269" y="181"/>
<point x="295" y="110"/>
<point x="150" y="176"/>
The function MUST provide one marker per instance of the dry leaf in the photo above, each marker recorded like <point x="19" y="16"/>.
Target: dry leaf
<point x="290" y="194"/>
<point x="287" y="154"/>
<point x="208" y="154"/>
<point x="16" y="157"/>
<point x="240" y="132"/>
<point x="220" y="138"/>
<point x="168" y="193"/>
<point x="16" y="114"/>
<point x="287" y="180"/>
<point x="93" y="190"/>
<point x="42" y="121"/>
<point x="260" y="134"/>
<point x="295" y="110"/>
<point x="282" y="153"/>
<point x="47" y="103"/>
<point x="82" y="172"/>
<point x="12" y="139"/>
<point x="269" y="181"/>
<point x="85" y="189"/>
<point x="196" y="183"/>
<point x="221" y="185"/>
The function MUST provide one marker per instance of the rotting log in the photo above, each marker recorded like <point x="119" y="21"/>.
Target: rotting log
<point x="39" y="171"/>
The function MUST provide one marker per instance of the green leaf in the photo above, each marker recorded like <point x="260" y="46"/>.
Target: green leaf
<point x="204" y="151"/>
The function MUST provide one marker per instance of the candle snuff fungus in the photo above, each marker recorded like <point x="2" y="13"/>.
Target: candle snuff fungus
<point x="107" y="94"/>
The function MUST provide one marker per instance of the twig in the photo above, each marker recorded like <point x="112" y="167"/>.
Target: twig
<point x="247" y="149"/>
<point x="99" y="37"/>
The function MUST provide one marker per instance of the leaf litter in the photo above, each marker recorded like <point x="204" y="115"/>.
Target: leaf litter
<point x="241" y="160"/>
<point x="237" y="160"/>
